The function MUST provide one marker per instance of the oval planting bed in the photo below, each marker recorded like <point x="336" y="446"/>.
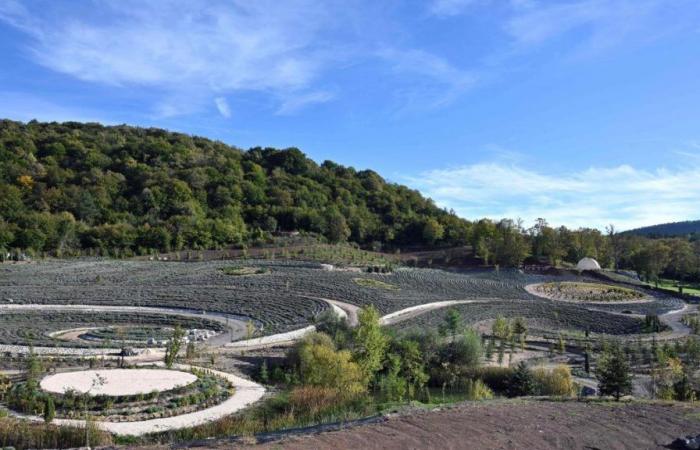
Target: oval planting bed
<point x="570" y="291"/>
<point x="117" y="382"/>
<point x="123" y="395"/>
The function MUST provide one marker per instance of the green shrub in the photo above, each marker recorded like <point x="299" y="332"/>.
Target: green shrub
<point x="557" y="381"/>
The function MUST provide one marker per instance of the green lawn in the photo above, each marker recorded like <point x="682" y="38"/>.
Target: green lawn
<point x="672" y="285"/>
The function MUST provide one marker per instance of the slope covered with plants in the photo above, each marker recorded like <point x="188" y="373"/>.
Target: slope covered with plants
<point x="686" y="228"/>
<point x="70" y="187"/>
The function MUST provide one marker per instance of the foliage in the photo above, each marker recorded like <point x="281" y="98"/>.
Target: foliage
<point x="613" y="372"/>
<point x="522" y="382"/>
<point x="22" y="434"/>
<point x="173" y="347"/>
<point x="375" y="284"/>
<point x="49" y="410"/>
<point x="477" y="390"/>
<point x="320" y="364"/>
<point x="71" y="187"/>
<point x="557" y="381"/>
<point x="370" y="343"/>
<point x="241" y="271"/>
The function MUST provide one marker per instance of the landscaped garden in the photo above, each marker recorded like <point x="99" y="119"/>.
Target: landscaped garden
<point x="88" y="329"/>
<point x="586" y="292"/>
<point x="119" y="395"/>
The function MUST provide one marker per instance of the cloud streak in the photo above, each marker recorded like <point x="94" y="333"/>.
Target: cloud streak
<point x="595" y="197"/>
<point x="201" y="47"/>
<point x="222" y="107"/>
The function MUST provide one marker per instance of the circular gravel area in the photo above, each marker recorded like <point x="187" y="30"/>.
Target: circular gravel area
<point x="117" y="381"/>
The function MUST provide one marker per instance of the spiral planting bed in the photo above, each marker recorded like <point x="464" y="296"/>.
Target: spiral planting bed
<point x="59" y="328"/>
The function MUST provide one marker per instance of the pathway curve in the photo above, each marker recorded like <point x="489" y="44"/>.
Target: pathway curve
<point x="246" y="393"/>
<point x="235" y="326"/>
<point x="344" y="310"/>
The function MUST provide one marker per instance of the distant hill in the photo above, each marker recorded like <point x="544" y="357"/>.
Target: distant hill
<point x="668" y="229"/>
<point x="69" y="187"/>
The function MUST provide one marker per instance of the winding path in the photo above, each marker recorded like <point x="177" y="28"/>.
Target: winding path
<point x="347" y="311"/>
<point x="246" y="393"/>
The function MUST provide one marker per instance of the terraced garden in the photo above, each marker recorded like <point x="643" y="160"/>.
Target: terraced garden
<point x="205" y="391"/>
<point x="286" y="295"/>
<point x="45" y="328"/>
<point x="585" y="292"/>
<point x="540" y="314"/>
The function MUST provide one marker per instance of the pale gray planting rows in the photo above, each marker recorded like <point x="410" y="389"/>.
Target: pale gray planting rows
<point x="285" y="298"/>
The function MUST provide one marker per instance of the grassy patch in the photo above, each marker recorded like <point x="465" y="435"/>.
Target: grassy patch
<point x="672" y="285"/>
<point x="238" y="271"/>
<point x="595" y="292"/>
<point x="375" y="284"/>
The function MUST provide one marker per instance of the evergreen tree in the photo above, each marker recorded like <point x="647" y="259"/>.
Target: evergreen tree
<point x="613" y="372"/>
<point x="49" y="409"/>
<point x="521" y="382"/>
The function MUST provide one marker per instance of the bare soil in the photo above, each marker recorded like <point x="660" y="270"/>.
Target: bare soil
<point x="524" y="424"/>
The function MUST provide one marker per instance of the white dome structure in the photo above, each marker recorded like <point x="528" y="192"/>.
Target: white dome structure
<point x="588" y="264"/>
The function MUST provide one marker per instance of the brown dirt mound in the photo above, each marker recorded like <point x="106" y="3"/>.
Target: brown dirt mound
<point x="515" y="425"/>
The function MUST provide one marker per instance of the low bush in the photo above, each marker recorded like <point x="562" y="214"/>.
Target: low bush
<point x="495" y="378"/>
<point x="557" y="382"/>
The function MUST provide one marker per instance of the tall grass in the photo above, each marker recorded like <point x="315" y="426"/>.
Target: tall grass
<point x="300" y="407"/>
<point x="22" y="434"/>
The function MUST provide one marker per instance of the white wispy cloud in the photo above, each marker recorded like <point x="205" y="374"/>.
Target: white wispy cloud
<point x="434" y="81"/>
<point x="202" y="47"/>
<point x="623" y="195"/>
<point x="222" y="107"/>
<point x="193" y="52"/>
<point x="605" y="22"/>
<point x="294" y="103"/>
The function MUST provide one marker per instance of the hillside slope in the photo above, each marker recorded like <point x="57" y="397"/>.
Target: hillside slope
<point x="520" y="424"/>
<point x="67" y="187"/>
<point x="668" y="229"/>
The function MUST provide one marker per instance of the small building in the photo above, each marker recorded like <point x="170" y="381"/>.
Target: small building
<point x="588" y="264"/>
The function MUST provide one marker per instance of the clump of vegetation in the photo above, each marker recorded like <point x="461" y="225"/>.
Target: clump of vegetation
<point x="555" y="382"/>
<point x="613" y="372"/>
<point x="375" y="284"/>
<point x="242" y="270"/>
<point x="22" y="434"/>
<point x="591" y="292"/>
<point x="206" y="391"/>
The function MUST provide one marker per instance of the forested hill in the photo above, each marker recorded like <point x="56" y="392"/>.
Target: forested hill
<point x="66" y="187"/>
<point x="686" y="228"/>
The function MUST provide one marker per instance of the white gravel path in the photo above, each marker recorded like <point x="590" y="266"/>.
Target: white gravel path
<point x="407" y="313"/>
<point x="282" y="338"/>
<point x="247" y="392"/>
<point x="389" y="319"/>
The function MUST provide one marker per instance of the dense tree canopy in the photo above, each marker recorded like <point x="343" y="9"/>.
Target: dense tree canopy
<point x="72" y="186"/>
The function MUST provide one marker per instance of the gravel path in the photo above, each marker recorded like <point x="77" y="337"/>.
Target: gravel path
<point x="344" y="310"/>
<point x="246" y="393"/>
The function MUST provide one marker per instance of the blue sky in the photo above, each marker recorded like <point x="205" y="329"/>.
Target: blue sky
<point x="581" y="111"/>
